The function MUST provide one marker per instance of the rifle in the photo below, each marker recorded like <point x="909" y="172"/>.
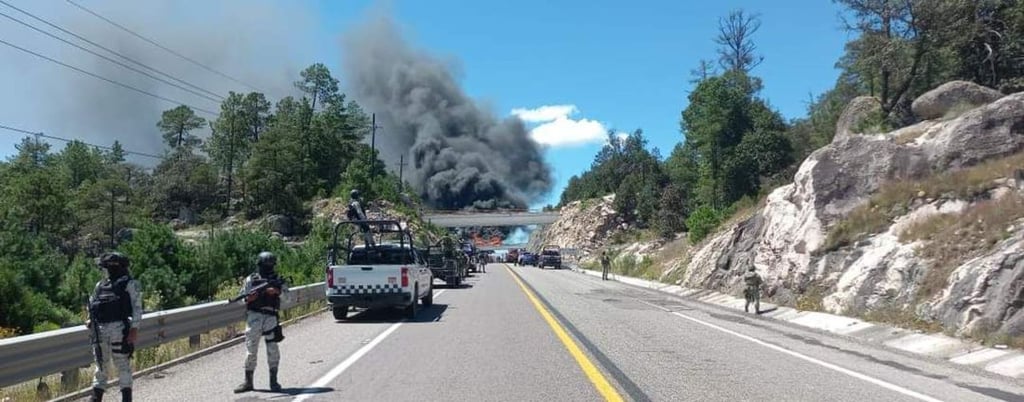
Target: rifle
<point x="274" y="283"/>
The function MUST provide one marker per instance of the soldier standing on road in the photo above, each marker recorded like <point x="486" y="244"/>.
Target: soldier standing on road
<point x="606" y="264"/>
<point x="261" y="315"/>
<point x="753" y="291"/>
<point x="115" y="313"/>
<point x="356" y="212"/>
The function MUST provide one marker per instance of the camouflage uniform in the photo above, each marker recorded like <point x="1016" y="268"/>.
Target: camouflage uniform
<point x="605" y="266"/>
<point x="753" y="291"/>
<point x="110" y="320"/>
<point x="261" y="320"/>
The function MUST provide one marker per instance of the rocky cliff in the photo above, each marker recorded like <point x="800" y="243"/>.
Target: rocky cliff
<point x="583" y="225"/>
<point x="925" y="220"/>
<point x="807" y="238"/>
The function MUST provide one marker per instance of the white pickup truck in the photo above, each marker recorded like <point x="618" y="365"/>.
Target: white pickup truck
<point x="381" y="275"/>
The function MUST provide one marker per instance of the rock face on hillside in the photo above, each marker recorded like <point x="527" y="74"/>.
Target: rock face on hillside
<point x="583" y="225"/>
<point x="784" y="240"/>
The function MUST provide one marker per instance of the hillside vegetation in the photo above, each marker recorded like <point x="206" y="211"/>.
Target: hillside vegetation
<point x="62" y="208"/>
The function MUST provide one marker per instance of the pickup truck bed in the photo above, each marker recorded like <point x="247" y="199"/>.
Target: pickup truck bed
<point x="381" y="277"/>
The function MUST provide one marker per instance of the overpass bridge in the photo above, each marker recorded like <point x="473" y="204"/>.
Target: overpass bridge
<point x="467" y="219"/>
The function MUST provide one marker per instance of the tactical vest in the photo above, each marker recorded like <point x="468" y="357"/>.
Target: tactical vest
<point x="752" y="279"/>
<point x="265" y="302"/>
<point x="111" y="302"/>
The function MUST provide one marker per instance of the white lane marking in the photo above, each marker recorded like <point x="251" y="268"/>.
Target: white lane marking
<point x="851" y="373"/>
<point x="340" y="368"/>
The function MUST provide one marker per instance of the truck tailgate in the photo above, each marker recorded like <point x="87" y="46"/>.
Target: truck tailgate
<point x="367" y="278"/>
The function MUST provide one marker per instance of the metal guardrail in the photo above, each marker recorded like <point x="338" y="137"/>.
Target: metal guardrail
<point x="32" y="356"/>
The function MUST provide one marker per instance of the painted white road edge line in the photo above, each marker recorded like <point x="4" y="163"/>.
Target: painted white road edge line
<point x="851" y="373"/>
<point x="340" y="368"/>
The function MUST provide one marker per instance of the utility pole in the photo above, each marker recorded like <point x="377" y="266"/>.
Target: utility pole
<point x="113" y="242"/>
<point x="401" y="166"/>
<point x="373" y="145"/>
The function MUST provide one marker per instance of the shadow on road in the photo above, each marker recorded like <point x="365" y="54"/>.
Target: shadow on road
<point x="383" y="316"/>
<point x="286" y="392"/>
<point x="768" y="310"/>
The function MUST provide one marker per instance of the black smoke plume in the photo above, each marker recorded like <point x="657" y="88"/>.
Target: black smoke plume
<point x="461" y="155"/>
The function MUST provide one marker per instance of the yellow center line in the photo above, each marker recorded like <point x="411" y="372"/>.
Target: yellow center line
<point x="600" y="382"/>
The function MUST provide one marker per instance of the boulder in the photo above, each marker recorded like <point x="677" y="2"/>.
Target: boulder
<point x="187" y="216"/>
<point x="125" y="235"/>
<point x="841" y="176"/>
<point x="987" y="132"/>
<point x="177" y="224"/>
<point x="950" y="96"/>
<point x="855" y="113"/>
<point x="282" y="224"/>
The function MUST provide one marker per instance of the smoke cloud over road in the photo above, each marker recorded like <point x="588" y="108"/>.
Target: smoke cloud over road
<point x="460" y="154"/>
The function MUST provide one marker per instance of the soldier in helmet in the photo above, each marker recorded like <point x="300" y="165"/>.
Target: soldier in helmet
<point x="356" y="212"/>
<point x="262" y="292"/>
<point x="115" y="313"/>
<point x="606" y="264"/>
<point x="753" y="291"/>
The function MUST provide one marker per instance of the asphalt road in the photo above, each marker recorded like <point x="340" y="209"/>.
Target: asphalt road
<point x="556" y="335"/>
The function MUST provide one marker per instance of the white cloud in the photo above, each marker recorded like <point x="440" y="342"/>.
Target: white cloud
<point x="557" y="129"/>
<point x="544" y="113"/>
<point x="564" y="131"/>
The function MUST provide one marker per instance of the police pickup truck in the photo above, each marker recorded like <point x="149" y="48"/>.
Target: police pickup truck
<point x="383" y="274"/>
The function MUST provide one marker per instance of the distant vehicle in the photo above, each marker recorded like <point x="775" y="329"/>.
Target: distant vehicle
<point x="512" y="257"/>
<point x="526" y="259"/>
<point x="551" y="256"/>
<point x="386" y="274"/>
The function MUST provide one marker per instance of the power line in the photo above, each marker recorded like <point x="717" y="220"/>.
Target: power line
<point x="144" y="92"/>
<point x="212" y="99"/>
<point x="165" y="48"/>
<point x="41" y="135"/>
<point x="79" y="37"/>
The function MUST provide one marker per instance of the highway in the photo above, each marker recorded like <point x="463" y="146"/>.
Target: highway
<point x="526" y="334"/>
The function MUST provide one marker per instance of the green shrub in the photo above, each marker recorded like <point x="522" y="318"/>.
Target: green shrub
<point x="702" y="222"/>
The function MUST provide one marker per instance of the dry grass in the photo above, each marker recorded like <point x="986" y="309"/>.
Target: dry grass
<point x="813" y="299"/>
<point x="901" y="318"/>
<point x="909" y="136"/>
<point x="143" y="359"/>
<point x="952" y="239"/>
<point x="958" y="110"/>
<point x="894" y="198"/>
<point x="630" y="265"/>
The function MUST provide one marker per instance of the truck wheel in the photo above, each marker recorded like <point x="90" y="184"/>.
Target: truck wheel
<point x="428" y="300"/>
<point x="340" y="312"/>
<point x="410" y="310"/>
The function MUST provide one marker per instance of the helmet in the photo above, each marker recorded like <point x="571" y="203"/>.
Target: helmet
<point x="266" y="258"/>
<point x="354" y="194"/>
<point x="113" y="260"/>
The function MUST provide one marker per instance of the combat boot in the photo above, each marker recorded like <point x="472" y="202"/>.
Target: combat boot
<point x="126" y="395"/>
<point x="274" y="386"/>
<point x="247" y="385"/>
<point x="97" y="395"/>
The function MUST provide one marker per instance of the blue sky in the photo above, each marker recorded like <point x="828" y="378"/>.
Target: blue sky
<point x="614" y="65"/>
<point x="622" y="65"/>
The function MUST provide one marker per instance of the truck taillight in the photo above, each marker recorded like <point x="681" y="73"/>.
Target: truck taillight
<point x="330" y="277"/>
<point x="405" y="277"/>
